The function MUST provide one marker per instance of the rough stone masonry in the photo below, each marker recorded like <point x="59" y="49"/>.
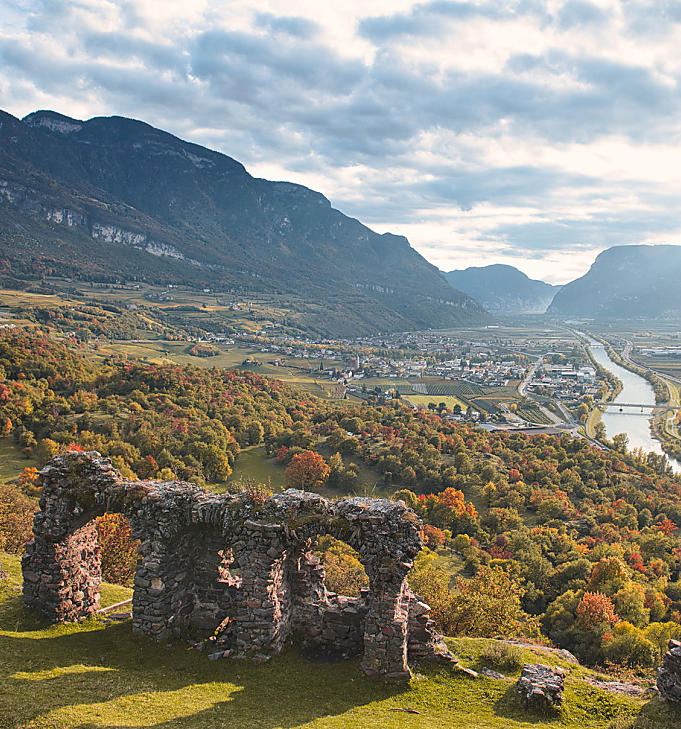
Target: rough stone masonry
<point x="669" y="674"/>
<point x="237" y="570"/>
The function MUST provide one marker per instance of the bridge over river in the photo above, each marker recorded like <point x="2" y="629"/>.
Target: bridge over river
<point x="647" y="406"/>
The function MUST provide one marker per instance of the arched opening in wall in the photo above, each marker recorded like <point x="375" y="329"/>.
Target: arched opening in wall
<point x="205" y="585"/>
<point x="340" y="633"/>
<point x="118" y="549"/>
<point x="345" y="573"/>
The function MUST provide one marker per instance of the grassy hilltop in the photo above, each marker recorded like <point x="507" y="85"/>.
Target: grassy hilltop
<point x="100" y="675"/>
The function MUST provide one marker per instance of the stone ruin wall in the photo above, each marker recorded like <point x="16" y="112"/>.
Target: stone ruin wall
<point x="236" y="570"/>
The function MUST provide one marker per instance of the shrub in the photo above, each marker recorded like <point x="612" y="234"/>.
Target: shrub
<point x="503" y="656"/>
<point x="432" y="584"/>
<point x="627" y="646"/>
<point x="659" y="634"/>
<point x="345" y="574"/>
<point x="461" y="542"/>
<point x="409" y="497"/>
<point x="486" y="606"/>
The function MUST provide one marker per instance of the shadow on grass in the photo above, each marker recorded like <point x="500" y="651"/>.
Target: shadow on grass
<point x="13" y="615"/>
<point x="655" y="714"/>
<point x="510" y="706"/>
<point x="110" y="676"/>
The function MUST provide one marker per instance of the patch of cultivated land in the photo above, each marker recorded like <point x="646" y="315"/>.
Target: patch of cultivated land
<point x="98" y="675"/>
<point x="449" y="400"/>
<point x="299" y="373"/>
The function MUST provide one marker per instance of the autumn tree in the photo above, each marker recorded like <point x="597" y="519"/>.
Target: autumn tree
<point x="596" y="609"/>
<point x="28" y="479"/>
<point x="307" y="470"/>
<point x="433" y="537"/>
<point x="16" y="519"/>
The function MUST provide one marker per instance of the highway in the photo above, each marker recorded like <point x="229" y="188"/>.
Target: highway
<point x="567" y="422"/>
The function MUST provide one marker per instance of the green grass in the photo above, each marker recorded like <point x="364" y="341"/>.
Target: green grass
<point x="449" y="400"/>
<point x="96" y="675"/>
<point x="253" y="463"/>
<point x="12" y="461"/>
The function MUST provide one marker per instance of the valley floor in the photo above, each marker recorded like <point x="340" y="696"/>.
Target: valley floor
<point x="98" y="676"/>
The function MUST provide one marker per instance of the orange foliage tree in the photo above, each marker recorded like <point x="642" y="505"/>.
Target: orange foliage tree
<point x="666" y="526"/>
<point x="596" y="609"/>
<point x="28" y="476"/>
<point x="307" y="470"/>
<point x="454" y="498"/>
<point x="433" y="537"/>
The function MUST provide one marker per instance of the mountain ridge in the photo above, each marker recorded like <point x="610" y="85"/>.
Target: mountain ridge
<point x="116" y="197"/>
<point x="625" y="281"/>
<point x="503" y="288"/>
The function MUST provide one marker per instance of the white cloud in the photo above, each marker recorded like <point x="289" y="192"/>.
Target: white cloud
<point x="535" y="133"/>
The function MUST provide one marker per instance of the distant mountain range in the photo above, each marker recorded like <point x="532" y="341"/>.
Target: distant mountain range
<point x="625" y="282"/>
<point x="113" y="198"/>
<point x="501" y="288"/>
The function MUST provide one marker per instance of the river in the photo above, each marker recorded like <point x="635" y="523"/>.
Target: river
<point x="632" y="421"/>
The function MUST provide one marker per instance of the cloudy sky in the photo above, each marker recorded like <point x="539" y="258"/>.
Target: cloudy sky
<point x="530" y="132"/>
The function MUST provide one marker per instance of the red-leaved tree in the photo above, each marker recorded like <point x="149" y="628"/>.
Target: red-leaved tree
<point x="596" y="609"/>
<point x="307" y="470"/>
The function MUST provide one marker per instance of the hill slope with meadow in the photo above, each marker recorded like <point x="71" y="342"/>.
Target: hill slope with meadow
<point x="100" y="675"/>
<point x="533" y="537"/>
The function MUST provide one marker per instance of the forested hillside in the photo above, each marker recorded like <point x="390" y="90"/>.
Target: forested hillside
<point x="546" y="533"/>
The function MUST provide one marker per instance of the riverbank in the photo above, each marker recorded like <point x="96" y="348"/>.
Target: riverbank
<point x="663" y="424"/>
<point x="638" y="426"/>
<point x="613" y="388"/>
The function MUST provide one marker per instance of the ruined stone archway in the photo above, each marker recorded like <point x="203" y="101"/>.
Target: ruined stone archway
<point x="188" y="537"/>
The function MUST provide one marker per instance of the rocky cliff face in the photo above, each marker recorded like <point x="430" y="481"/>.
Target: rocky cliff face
<point x="122" y="182"/>
<point x="625" y="282"/>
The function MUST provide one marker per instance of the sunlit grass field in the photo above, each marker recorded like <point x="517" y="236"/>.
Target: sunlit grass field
<point x="95" y="675"/>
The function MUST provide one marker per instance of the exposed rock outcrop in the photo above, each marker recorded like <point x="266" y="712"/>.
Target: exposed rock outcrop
<point x="540" y="686"/>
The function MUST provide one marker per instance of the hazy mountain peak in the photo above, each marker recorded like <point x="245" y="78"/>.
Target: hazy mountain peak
<point x="503" y="288"/>
<point x="625" y="281"/>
